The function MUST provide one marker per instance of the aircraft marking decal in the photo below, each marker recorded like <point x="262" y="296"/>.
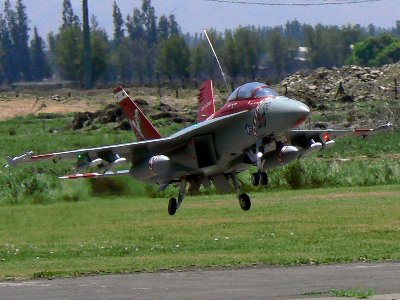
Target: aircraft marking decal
<point x="151" y="165"/>
<point x="260" y="119"/>
<point x="136" y="124"/>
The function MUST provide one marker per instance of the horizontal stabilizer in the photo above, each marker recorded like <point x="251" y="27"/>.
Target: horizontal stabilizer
<point x="95" y="175"/>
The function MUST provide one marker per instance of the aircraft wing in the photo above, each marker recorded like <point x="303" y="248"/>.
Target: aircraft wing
<point x="122" y="150"/>
<point x="129" y="152"/>
<point x="301" y="137"/>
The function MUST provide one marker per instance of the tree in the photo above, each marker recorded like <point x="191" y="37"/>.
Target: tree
<point x="278" y="51"/>
<point x="174" y="58"/>
<point x="209" y="65"/>
<point x="68" y="16"/>
<point x="52" y="52"/>
<point x="163" y="28"/>
<point x="18" y="29"/>
<point x="389" y="55"/>
<point x="248" y="45"/>
<point x="173" y="25"/>
<point x="69" y="53"/>
<point x="365" y="53"/>
<point x="294" y="30"/>
<point x="7" y="70"/>
<point x="149" y="22"/>
<point x="121" y="60"/>
<point x="22" y="40"/>
<point x="69" y="46"/>
<point x="40" y="66"/>
<point x="87" y="49"/>
<point x="348" y="36"/>
<point x="100" y="50"/>
<point x="396" y="30"/>
<point x="231" y="55"/>
<point x="134" y="24"/>
<point x="118" y="21"/>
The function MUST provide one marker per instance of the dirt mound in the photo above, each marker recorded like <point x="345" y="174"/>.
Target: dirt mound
<point x="113" y="114"/>
<point x="349" y="83"/>
<point x="348" y="96"/>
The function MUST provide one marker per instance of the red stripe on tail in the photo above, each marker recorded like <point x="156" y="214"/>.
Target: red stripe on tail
<point x="141" y="126"/>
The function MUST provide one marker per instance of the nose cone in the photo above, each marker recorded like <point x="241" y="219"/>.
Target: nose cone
<point x="286" y="113"/>
<point x="300" y="113"/>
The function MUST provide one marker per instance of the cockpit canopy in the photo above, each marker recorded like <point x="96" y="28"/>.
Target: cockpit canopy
<point x="252" y="90"/>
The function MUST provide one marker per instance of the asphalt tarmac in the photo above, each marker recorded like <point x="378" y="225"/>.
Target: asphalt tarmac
<point x="259" y="282"/>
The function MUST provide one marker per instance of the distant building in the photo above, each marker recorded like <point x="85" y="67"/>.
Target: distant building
<point x="302" y="54"/>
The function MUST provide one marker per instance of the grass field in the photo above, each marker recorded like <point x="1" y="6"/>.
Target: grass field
<point x="136" y="234"/>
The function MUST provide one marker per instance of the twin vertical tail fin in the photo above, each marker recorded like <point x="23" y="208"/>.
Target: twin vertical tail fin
<point x="141" y="126"/>
<point x="206" y="101"/>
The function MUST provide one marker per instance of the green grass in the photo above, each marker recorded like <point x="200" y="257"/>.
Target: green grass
<point x="353" y="293"/>
<point x="349" y="293"/>
<point x="136" y="234"/>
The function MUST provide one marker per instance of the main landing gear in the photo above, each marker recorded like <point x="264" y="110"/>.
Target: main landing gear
<point x="173" y="205"/>
<point x="259" y="178"/>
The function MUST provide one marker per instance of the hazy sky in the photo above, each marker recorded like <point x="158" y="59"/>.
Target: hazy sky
<point x="194" y="15"/>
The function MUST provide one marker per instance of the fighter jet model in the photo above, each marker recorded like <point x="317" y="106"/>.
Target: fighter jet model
<point x="256" y="127"/>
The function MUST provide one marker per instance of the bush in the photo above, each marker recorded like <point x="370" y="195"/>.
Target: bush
<point x="294" y="175"/>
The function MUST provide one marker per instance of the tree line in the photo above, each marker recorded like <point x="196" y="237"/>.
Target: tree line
<point x="147" y="49"/>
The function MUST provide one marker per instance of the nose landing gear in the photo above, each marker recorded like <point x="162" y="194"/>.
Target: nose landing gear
<point x="244" y="199"/>
<point x="174" y="205"/>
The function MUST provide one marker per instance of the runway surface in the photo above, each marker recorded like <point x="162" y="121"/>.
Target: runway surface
<point x="259" y="282"/>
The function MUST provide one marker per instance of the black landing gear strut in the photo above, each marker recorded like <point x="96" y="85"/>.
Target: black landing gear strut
<point x="173" y="205"/>
<point x="260" y="177"/>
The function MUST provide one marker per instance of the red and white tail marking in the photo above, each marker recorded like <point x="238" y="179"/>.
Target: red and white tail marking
<point x="206" y="101"/>
<point x="141" y="126"/>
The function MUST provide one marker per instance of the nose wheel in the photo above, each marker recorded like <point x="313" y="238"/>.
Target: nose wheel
<point x="173" y="204"/>
<point x="244" y="199"/>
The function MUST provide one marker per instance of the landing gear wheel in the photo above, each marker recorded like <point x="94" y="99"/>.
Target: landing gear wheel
<point x="244" y="201"/>
<point x="172" y="206"/>
<point x="255" y="179"/>
<point x="264" y="178"/>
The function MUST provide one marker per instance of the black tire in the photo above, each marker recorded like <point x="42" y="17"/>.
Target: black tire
<point x="172" y="206"/>
<point x="264" y="179"/>
<point x="245" y="202"/>
<point x="255" y="179"/>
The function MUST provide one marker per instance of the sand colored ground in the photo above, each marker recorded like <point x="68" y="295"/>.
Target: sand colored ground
<point x="62" y="101"/>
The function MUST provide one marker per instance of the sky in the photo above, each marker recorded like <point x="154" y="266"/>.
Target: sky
<point x="194" y="15"/>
